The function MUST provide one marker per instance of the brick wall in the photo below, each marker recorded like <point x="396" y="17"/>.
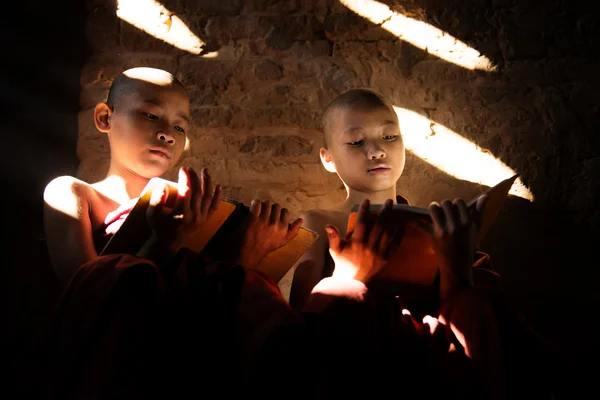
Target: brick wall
<point x="256" y="108"/>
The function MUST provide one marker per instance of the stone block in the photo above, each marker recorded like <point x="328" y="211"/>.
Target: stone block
<point x="268" y="70"/>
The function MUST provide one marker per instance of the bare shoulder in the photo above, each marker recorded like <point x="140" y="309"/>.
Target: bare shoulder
<point x="67" y="194"/>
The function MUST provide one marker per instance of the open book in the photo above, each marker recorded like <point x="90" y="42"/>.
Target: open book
<point x="414" y="261"/>
<point x="212" y="238"/>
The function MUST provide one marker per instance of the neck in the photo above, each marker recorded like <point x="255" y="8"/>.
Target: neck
<point x="357" y="197"/>
<point x="122" y="184"/>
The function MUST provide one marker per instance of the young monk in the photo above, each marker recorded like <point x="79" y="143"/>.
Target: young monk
<point x="116" y="308"/>
<point x="364" y="147"/>
<point x="146" y="117"/>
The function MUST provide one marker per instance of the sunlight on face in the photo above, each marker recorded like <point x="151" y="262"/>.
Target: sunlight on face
<point x="453" y="154"/>
<point x="153" y="18"/>
<point x="420" y="34"/>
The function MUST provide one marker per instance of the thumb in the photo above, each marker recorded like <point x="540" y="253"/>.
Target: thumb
<point x="334" y="237"/>
<point x="111" y="217"/>
<point x="124" y="208"/>
<point x="479" y="210"/>
<point x="294" y="228"/>
<point x="481" y="202"/>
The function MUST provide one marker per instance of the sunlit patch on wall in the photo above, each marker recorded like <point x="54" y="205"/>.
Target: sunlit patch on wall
<point x="453" y="154"/>
<point x="421" y="34"/>
<point x="156" y="20"/>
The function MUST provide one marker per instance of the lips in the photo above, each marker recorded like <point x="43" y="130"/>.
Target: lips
<point x="161" y="152"/>
<point x="378" y="168"/>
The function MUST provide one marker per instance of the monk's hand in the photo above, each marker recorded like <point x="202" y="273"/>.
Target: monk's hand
<point x="176" y="216"/>
<point x="268" y="228"/>
<point x="115" y="219"/>
<point x="454" y="231"/>
<point x="363" y="253"/>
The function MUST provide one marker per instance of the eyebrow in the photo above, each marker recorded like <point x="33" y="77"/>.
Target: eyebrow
<point x="159" y="104"/>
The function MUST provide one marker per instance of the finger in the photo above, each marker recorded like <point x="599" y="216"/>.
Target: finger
<point x="398" y="231"/>
<point x="285" y="216"/>
<point x="437" y="216"/>
<point x="157" y="195"/>
<point x="111" y="216"/>
<point x="275" y="213"/>
<point x="438" y="332"/>
<point x="265" y="210"/>
<point x="464" y="217"/>
<point x="374" y="236"/>
<point x="360" y="228"/>
<point x="450" y="215"/>
<point x="479" y="210"/>
<point x="182" y="182"/>
<point x="387" y="233"/>
<point x="378" y="227"/>
<point x="123" y="209"/>
<point x="193" y="201"/>
<point x="255" y="208"/>
<point x="385" y="241"/>
<point x="432" y="323"/>
<point x="216" y="199"/>
<point x="157" y="201"/>
<point x="333" y="234"/>
<point x="481" y="202"/>
<point x="408" y="320"/>
<point x="181" y="200"/>
<point x="384" y="215"/>
<point x="207" y="191"/>
<point x="385" y="210"/>
<point x="294" y="228"/>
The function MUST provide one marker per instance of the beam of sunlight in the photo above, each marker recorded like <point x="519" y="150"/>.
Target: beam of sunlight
<point x="153" y="18"/>
<point x="453" y="154"/>
<point x="421" y="34"/>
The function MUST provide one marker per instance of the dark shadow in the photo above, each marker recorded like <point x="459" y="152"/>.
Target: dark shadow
<point x="44" y="50"/>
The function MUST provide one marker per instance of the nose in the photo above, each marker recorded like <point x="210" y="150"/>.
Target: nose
<point x="166" y="137"/>
<point x="375" y="152"/>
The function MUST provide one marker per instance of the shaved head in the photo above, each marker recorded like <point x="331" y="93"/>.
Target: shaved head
<point x="358" y="99"/>
<point x="129" y="80"/>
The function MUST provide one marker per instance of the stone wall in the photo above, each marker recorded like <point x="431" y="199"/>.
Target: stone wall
<point x="256" y="108"/>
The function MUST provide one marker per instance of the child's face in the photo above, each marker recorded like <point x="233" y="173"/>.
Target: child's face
<point x="365" y="149"/>
<point x="148" y="128"/>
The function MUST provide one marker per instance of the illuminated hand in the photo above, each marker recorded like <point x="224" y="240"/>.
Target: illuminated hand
<point x="363" y="253"/>
<point x="268" y="228"/>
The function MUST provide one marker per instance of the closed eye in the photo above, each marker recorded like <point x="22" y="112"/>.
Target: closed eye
<point x="150" y="116"/>
<point x="356" y="143"/>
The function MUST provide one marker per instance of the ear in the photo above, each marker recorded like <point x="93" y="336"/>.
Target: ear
<point x="327" y="160"/>
<point x="102" y="114"/>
